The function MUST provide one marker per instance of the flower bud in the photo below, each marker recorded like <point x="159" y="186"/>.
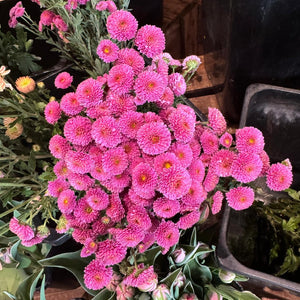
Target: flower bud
<point x="204" y="213"/>
<point x="188" y="297"/>
<point x="115" y="281"/>
<point x="179" y="255"/>
<point x="213" y="296"/>
<point x="36" y="147"/>
<point x="226" y="276"/>
<point x="124" y="292"/>
<point x="43" y="231"/>
<point x="162" y="292"/>
<point x="180" y="280"/>
<point x="41" y="84"/>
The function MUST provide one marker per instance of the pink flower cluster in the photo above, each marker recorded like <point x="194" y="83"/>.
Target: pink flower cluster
<point x="26" y="233"/>
<point x="123" y="174"/>
<point x="16" y="12"/>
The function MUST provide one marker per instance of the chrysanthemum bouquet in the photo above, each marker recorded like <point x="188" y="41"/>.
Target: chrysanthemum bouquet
<point x="136" y="172"/>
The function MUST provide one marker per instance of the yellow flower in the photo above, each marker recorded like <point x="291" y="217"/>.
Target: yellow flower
<point x="36" y="147"/>
<point x="41" y="84"/>
<point x="25" y="84"/>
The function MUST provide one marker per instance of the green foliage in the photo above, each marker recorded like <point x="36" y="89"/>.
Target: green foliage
<point x="15" y="53"/>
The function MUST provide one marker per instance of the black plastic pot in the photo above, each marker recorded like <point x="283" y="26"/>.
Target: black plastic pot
<point x="245" y="238"/>
<point x="231" y="227"/>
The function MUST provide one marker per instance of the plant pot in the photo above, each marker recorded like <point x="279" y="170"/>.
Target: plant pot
<point x="234" y="226"/>
<point x="245" y="237"/>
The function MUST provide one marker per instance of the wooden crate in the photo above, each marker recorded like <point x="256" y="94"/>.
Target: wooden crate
<point x="181" y="26"/>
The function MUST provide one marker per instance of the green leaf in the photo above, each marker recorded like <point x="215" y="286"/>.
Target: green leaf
<point x="27" y="288"/>
<point x="230" y="293"/>
<point x="294" y="194"/>
<point x="149" y="256"/>
<point x="42" y="290"/>
<point x="171" y="277"/>
<point x="193" y="240"/>
<point x="9" y="295"/>
<point x="105" y="294"/>
<point x="290" y="264"/>
<point x="292" y="224"/>
<point x="199" y="273"/>
<point x="189" y="288"/>
<point x="66" y="261"/>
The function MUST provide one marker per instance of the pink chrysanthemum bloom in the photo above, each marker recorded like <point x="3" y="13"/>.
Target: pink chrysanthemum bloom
<point x="149" y="86"/>
<point x="130" y="236"/>
<point x="226" y="140"/>
<point x="249" y="139"/>
<point x="147" y="280"/>
<point x="221" y="162"/>
<point x="89" y="92"/>
<point x="174" y="183"/>
<point x="246" y="167"/>
<point x="216" y="121"/>
<point x="135" y="199"/>
<point x="115" y="210"/>
<point x="60" y="23"/>
<point x="78" y="162"/>
<point x="137" y="216"/>
<point x="52" y="112"/>
<point x="117" y="183"/>
<point x="99" y="110"/>
<point x="217" y="202"/>
<point x="154" y="138"/>
<point x="25" y="232"/>
<point x="188" y="220"/>
<point x="90" y="247"/>
<point x="183" y="125"/>
<point x="97" y="199"/>
<point x="195" y="196"/>
<point x="84" y="212"/>
<point x="183" y="153"/>
<point x="240" y="198"/>
<point x="17" y="11"/>
<point x="101" y="5"/>
<point x="34" y="241"/>
<point x="177" y="84"/>
<point x="144" y="180"/>
<point x="14" y="225"/>
<point x="120" y="104"/>
<point x="147" y="242"/>
<point x="110" y="252"/>
<point x="80" y="182"/>
<point x="132" y="58"/>
<point x="97" y="276"/>
<point x="56" y="186"/>
<point x="209" y="142"/>
<point x="105" y="132"/>
<point x="63" y="80"/>
<point x="191" y="63"/>
<point x="166" y="208"/>
<point x="205" y="158"/>
<point x="132" y="149"/>
<point x="121" y="25"/>
<point x="97" y="171"/>
<point x="150" y="116"/>
<point x="279" y="177"/>
<point x="197" y="170"/>
<point x="70" y="105"/>
<point x="165" y="161"/>
<point x="107" y="51"/>
<point x="66" y="201"/>
<point x="162" y="68"/>
<point x="111" y="6"/>
<point x="59" y="146"/>
<point x="120" y="79"/>
<point x="187" y="109"/>
<point x="266" y="162"/>
<point x="77" y="130"/>
<point x="46" y="18"/>
<point x="150" y="40"/>
<point x="211" y="180"/>
<point x="167" y="99"/>
<point x="115" y="161"/>
<point x="80" y="235"/>
<point x="100" y="228"/>
<point x="130" y="122"/>
<point x="167" y="235"/>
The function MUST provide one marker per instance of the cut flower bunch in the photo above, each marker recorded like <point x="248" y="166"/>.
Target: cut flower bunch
<point x="135" y="173"/>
